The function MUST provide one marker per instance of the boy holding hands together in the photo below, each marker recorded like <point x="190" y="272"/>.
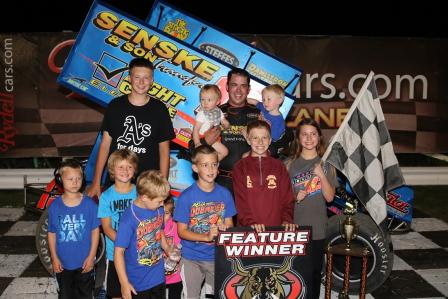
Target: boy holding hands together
<point x="201" y="210"/>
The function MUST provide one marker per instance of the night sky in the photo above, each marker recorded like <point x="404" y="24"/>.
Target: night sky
<point x="360" y="18"/>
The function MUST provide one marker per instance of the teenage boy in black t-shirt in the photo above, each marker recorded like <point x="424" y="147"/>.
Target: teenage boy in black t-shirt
<point x="136" y="122"/>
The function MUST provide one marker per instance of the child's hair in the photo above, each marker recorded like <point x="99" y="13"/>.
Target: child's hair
<point x="296" y="148"/>
<point x="203" y="149"/>
<point x="212" y="87"/>
<point x="240" y="72"/>
<point x="275" y="88"/>
<point x="152" y="184"/>
<point x="258" y="124"/>
<point x="120" y="155"/>
<point x="169" y="201"/>
<point x="70" y="163"/>
<point x="140" y="62"/>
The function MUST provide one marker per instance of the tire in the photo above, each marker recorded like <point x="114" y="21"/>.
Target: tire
<point x="379" y="264"/>
<point x="41" y="239"/>
<point x="42" y="242"/>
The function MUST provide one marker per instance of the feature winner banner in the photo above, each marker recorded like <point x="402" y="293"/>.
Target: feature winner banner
<point x="270" y="264"/>
<point x="223" y="46"/>
<point x="109" y="40"/>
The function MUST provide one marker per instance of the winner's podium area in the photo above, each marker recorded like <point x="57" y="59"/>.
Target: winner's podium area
<point x="420" y="267"/>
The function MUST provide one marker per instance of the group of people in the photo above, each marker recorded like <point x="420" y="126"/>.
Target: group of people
<point x="233" y="152"/>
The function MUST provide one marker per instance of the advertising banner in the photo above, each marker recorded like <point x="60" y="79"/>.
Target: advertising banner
<point x="223" y="46"/>
<point x="100" y="73"/>
<point x="40" y="118"/>
<point x="410" y="75"/>
<point x="270" y="264"/>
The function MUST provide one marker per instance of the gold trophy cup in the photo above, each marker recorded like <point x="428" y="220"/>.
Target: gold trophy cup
<point x="349" y="230"/>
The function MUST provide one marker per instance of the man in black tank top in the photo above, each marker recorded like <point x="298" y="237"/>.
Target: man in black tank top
<point x="239" y="114"/>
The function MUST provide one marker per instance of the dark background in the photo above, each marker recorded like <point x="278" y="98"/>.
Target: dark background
<point x="360" y="18"/>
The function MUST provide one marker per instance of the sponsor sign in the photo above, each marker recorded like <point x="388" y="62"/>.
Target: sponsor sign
<point x="270" y="264"/>
<point x="224" y="46"/>
<point x="100" y="72"/>
<point x="400" y="203"/>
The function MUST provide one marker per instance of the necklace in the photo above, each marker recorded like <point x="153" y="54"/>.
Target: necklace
<point x="135" y="216"/>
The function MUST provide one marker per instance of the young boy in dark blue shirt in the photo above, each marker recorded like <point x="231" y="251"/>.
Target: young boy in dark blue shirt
<point x="140" y="240"/>
<point x="73" y="234"/>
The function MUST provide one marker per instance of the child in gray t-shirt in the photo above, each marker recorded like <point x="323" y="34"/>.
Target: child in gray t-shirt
<point x="313" y="185"/>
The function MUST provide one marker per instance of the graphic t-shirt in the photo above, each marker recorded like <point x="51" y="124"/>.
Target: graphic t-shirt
<point x="199" y="209"/>
<point x="139" y="129"/>
<point x="73" y="228"/>
<point x="113" y="204"/>
<point x="276" y="122"/>
<point x="312" y="210"/>
<point x="140" y="233"/>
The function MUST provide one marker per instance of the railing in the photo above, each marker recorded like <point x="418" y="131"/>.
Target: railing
<point x="425" y="175"/>
<point x="17" y="178"/>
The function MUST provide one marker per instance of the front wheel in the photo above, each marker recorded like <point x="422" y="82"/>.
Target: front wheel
<point x="42" y="242"/>
<point x="380" y="262"/>
<point x="43" y="251"/>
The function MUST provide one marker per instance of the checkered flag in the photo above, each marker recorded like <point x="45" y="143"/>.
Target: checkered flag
<point x="362" y="150"/>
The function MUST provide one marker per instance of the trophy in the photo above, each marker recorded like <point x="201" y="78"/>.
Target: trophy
<point x="349" y="228"/>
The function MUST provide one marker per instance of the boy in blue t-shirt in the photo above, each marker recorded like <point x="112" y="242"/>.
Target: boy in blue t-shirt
<point x="272" y="98"/>
<point x="122" y="165"/>
<point x="140" y="240"/>
<point x="73" y="234"/>
<point x="201" y="210"/>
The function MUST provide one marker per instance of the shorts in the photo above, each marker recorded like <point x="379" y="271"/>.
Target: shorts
<point x="193" y="274"/>
<point x="113" y="286"/>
